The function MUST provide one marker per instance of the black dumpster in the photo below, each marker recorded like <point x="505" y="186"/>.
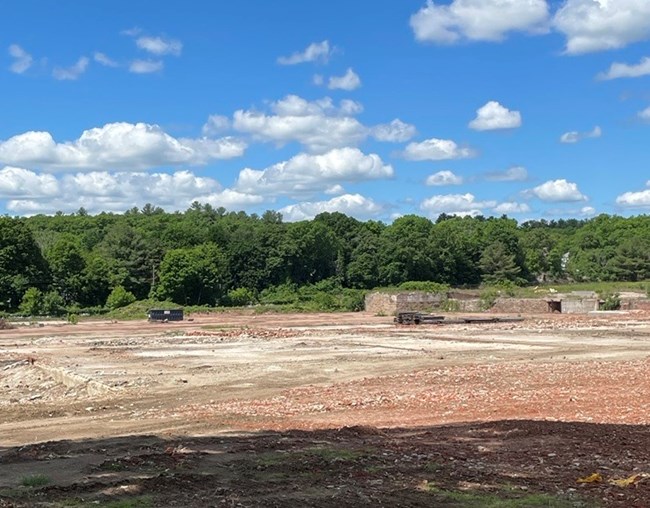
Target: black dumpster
<point x="166" y="315"/>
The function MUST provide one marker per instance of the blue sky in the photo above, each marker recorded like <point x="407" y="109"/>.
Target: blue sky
<point x="533" y="108"/>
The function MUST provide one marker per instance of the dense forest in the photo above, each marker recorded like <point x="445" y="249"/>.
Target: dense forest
<point x="207" y="256"/>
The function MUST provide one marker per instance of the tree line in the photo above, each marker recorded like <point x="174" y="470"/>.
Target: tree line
<point x="208" y="256"/>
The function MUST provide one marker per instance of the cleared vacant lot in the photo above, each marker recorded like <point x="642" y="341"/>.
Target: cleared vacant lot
<point x="310" y="410"/>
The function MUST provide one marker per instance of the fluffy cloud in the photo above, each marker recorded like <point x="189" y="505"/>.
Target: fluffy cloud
<point x="145" y="66"/>
<point x="557" y="191"/>
<point x="513" y="174"/>
<point x="216" y="124"/>
<point x="318" y="125"/>
<point x="436" y="150"/>
<point x="494" y="116"/>
<point x="349" y="81"/>
<point x="455" y="204"/>
<point x="596" y="25"/>
<point x="73" y="72"/>
<point x="442" y="178"/>
<point x="307" y="174"/>
<point x="31" y="192"/>
<point x="645" y="114"/>
<point x="394" y="132"/>
<point x="160" y="46"/>
<point x="315" y="52"/>
<point x="575" y="136"/>
<point x="26" y="184"/>
<point x="115" y="145"/>
<point x="22" y="59"/>
<point x="104" y="60"/>
<point x="511" y="207"/>
<point x="640" y="199"/>
<point x="354" y="205"/>
<point x="621" y="70"/>
<point x="478" y="20"/>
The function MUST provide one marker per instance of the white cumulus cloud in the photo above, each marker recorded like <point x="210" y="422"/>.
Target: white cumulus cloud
<point x="435" y="149"/>
<point x="493" y="116"/>
<point x="557" y="191"/>
<point x="26" y="184"/>
<point x="349" y="81"/>
<point x="575" y="136"/>
<point x="22" y="59"/>
<point x="455" y="204"/>
<point x="306" y="174"/>
<point x="638" y="199"/>
<point x="394" y="132"/>
<point x="513" y="174"/>
<point x="216" y="124"/>
<point x="145" y="66"/>
<point x="511" y="207"/>
<point x="622" y="70"/>
<point x="103" y="59"/>
<point x="159" y="45"/>
<point x="318" y="125"/>
<point x="442" y="178"/>
<point x="315" y="52"/>
<point x="645" y="114"/>
<point x="115" y="146"/>
<point x="354" y="205"/>
<point x="97" y="191"/>
<point x="73" y="72"/>
<point x="597" y="25"/>
<point x="478" y="20"/>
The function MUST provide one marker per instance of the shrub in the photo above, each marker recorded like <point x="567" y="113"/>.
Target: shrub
<point x="119" y="297"/>
<point x="240" y="297"/>
<point x="73" y="319"/>
<point x="32" y="303"/>
<point x="611" y="301"/>
<point x="489" y="298"/>
<point x="53" y="304"/>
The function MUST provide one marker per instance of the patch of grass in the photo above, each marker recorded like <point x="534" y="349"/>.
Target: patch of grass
<point x="134" y="502"/>
<point x="270" y="459"/>
<point x="35" y="480"/>
<point x="11" y="493"/>
<point x="505" y="500"/>
<point x="334" y="454"/>
<point x="432" y="467"/>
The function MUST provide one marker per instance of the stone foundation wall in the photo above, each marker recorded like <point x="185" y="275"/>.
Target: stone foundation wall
<point x="583" y="306"/>
<point x="520" y="306"/>
<point x="636" y="304"/>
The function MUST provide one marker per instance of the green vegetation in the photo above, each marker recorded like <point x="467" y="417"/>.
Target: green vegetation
<point x="506" y="499"/>
<point x="119" y="297"/>
<point x="36" y="480"/>
<point x="206" y="257"/>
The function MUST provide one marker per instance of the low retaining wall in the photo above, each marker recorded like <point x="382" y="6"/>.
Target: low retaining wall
<point x="391" y="303"/>
<point x="520" y="306"/>
<point x="583" y="306"/>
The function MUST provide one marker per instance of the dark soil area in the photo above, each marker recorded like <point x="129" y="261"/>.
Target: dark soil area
<point x="497" y="464"/>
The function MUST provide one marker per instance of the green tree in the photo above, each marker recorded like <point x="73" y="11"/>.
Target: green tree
<point x="53" y="304"/>
<point x="119" y="297"/>
<point x="404" y="251"/>
<point x="67" y="265"/>
<point x="21" y="264"/>
<point x="193" y="276"/>
<point x="498" y="265"/>
<point x="32" y="302"/>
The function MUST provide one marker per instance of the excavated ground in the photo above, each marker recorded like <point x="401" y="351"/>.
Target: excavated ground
<point x="313" y="410"/>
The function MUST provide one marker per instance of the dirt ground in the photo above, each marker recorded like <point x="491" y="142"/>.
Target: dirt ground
<point x="243" y="409"/>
